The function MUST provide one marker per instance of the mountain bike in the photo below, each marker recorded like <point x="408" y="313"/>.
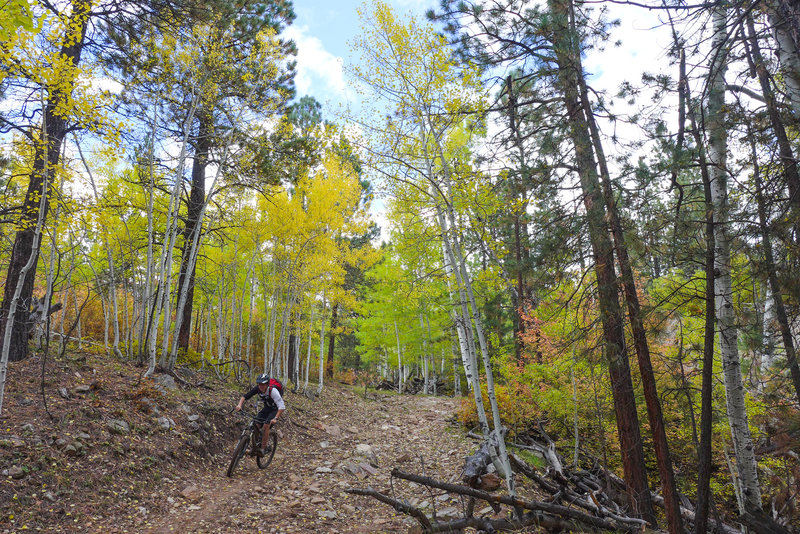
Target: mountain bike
<point x="250" y="439"/>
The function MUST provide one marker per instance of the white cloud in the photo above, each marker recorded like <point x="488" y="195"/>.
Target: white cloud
<point x="319" y="73"/>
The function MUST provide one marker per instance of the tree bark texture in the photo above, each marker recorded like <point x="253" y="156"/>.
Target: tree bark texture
<point x="704" y="460"/>
<point x="784" y="15"/>
<point x="726" y="314"/>
<point x="47" y="153"/>
<point x="787" y="159"/>
<point x="194" y="208"/>
<point x="654" y="412"/>
<point x="611" y="315"/>
<point x="774" y="285"/>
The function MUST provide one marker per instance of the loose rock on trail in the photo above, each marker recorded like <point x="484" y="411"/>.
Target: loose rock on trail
<point x="121" y="454"/>
<point x="327" y="445"/>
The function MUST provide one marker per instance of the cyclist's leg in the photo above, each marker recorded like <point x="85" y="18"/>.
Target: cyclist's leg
<point x="269" y="416"/>
<point x="261" y="423"/>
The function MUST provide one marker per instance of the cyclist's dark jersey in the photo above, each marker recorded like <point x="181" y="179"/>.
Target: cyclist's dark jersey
<point x="272" y="399"/>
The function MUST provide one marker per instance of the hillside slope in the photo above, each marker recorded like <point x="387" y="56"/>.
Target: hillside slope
<point x="125" y="455"/>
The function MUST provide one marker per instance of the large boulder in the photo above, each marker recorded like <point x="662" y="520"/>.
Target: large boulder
<point x="165" y="381"/>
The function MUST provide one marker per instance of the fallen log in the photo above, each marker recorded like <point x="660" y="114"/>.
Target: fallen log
<point x="591" y="504"/>
<point x="762" y="524"/>
<point x="611" y="481"/>
<point x="397" y="505"/>
<point x="475" y="465"/>
<point x="627" y="524"/>
<point x="493" y="525"/>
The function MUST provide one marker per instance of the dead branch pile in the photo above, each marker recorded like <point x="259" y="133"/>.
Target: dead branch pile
<point x="575" y="498"/>
<point x="412" y="386"/>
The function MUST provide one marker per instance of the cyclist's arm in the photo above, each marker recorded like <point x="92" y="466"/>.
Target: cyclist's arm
<point x="246" y="396"/>
<point x="275" y="419"/>
<point x="276" y="397"/>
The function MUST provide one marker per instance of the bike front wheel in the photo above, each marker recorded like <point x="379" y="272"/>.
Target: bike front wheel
<point x="266" y="459"/>
<point x="238" y="452"/>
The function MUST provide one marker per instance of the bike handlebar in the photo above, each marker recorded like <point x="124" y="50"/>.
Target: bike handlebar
<point x="251" y="415"/>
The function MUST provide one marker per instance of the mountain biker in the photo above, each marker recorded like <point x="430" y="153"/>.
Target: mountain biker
<point x="273" y="407"/>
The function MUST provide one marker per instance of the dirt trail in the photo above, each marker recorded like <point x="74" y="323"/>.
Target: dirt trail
<point x="317" y="459"/>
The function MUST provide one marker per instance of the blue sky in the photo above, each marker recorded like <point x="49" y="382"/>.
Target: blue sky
<point x="322" y="31"/>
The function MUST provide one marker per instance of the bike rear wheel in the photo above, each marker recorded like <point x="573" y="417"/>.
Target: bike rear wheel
<point x="265" y="460"/>
<point x="238" y="452"/>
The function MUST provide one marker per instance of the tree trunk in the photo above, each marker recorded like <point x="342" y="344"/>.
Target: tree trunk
<point x="308" y="355"/>
<point x="704" y="459"/>
<point x="46" y="158"/>
<point x="784" y="22"/>
<point x="399" y="359"/>
<point x="322" y="346"/>
<point x="787" y="159"/>
<point x="568" y="58"/>
<point x="331" y="342"/>
<point x="774" y="284"/>
<point x="293" y="347"/>
<point x="194" y="208"/>
<point x="654" y="413"/>
<point x="150" y="268"/>
<point x="726" y="314"/>
<point x="519" y="295"/>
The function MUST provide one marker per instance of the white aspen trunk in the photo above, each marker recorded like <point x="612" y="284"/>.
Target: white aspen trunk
<point x="463" y="323"/>
<point x="48" y="294"/>
<point x="236" y="323"/>
<point x="209" y="335"/>
<point x="253" y="288"/>
<point x="502" y="464"/>
<point x="171" y="230"/>
<point x="232" y="332"/>
<point x="425" y="383"/>
<point x="787" y="54"/>
<point x="166" y="267"/>
<point x="104" y="309"/>
<point x="110" y="258"/>
<point x="287" y="320"/>
<point x="297" y="357"/>
<point x="220" y="321"/>
<point x="456" y="379"/>
<point x="201" y="333"/>
<point x="399" y="359"/>
<point x="267" y="322"/>
<point x="768" y="323"/>
<point x="126" y="316"/>
<point x="322" y="346"/>
<point x="196" y="234"/>
<point x="284" y="320"/>
<point x="424" y="355"/>
<point x="114" y="303"/>
<point x="726" y="314"/>
<point x="466" y="360"/>
<point x="165" y="279"/>
<point x="12" y="309"/>
<point x="273" y="325"/>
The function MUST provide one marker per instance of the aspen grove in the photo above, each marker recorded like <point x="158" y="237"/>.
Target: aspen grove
<point x="613" y="270"/>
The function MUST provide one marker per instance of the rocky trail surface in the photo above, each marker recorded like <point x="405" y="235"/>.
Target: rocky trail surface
<point x="120" y="454"/>
<point x="332" y="444"/>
